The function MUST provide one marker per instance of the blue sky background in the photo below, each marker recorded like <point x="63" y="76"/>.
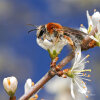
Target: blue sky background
<point x="20" y="55"/>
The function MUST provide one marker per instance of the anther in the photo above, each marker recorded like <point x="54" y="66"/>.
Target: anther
<point x="94" y="10"/>
<point x="86" y="96"/>
<point x="81" y="25"/>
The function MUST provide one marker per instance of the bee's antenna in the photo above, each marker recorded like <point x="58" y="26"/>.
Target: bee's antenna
<point x="32" y="25"/>
<point x="32" y="30"/>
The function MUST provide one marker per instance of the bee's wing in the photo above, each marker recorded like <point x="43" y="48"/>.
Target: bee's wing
<point x="74" y="33"/>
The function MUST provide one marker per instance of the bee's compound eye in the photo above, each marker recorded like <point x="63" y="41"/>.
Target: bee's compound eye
<point x="42" y="31"/>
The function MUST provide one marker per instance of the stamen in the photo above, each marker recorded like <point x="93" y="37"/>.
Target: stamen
<point x="86" y="96"/>
<point x="81" y="25"/>
<point x="84" y="87"/>
<point x="32" y="83"/>
<point x="94" y="10"/>
<point x="36" y="96"/>
<point x="87" y="61"/>
<point x="88" y="92"/>
<point x="78" y="53"/>
<point x="89" y="76"/>
<point x="84" y="58"/>
<point x="85" y="70"/>
<point x="83" y="74"/>
<point x="86" y="79"/>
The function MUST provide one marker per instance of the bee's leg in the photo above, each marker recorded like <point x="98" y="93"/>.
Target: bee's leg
<point x="70" y="42"/>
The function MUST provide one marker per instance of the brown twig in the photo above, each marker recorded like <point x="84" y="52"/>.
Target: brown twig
<point x="12" y="98"/>
<point x="49" y="74"/>
<point x="45" y="79"/>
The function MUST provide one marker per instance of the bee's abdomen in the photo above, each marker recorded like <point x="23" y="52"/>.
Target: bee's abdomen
<point x="75" y="35"/>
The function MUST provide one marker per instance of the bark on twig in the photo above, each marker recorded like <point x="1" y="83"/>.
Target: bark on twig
<point x="12" y="98"/>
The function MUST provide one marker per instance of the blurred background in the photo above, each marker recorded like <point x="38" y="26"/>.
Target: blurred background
<point x="20" y="55"/>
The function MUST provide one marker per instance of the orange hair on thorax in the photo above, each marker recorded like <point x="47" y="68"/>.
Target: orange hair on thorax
<point x="52" y="26"/>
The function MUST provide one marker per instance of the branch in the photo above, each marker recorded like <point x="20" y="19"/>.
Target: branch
<point x="45" y="79"/>
<point x="85" y="46"/>
<point x="12" y="98"/>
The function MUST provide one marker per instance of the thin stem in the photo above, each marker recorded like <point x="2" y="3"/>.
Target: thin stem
<point x="12" y="98"/>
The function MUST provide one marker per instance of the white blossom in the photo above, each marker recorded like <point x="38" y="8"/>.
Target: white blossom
<point x="61" y="88"/>
<point x="77" y="75"/>
<point x="53" y="48"/>
<point x="28" y="85"/>
<point x="93" y="21"/>
<point x="10" y="85"/>
<point x="97" y="35"/>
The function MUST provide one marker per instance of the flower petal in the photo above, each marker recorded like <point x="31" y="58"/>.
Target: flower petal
<point x="81" y="85"/>
<point x="98" y="27"/>
<point x="72" y="89"/>
<point x="40" y="43"/>
<point x="77" y="57"/>
<point x="95" y="18"/>
<point x="90" y="23"/>
<point x="83" y="29"/>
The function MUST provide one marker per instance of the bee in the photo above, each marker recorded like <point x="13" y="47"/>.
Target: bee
<point x="55" y="32"/>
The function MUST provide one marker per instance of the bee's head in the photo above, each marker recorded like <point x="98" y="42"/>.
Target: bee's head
<point x="50" y="28"/>
<point x="41" y="31"/>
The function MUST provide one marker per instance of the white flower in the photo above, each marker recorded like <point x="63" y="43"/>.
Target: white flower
<point x="10" y="85"/>
<point x="28" y="85"/>
<point x="93" y="21"/>
<point x="76" y="74"/>
<point x="97" y="35"/>
<point x="53" y="48"/>
<point x="61" y="88"/>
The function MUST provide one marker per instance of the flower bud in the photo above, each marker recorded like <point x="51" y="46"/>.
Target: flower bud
<point x="28" y="85"/>
<point x="10" y="85"/>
